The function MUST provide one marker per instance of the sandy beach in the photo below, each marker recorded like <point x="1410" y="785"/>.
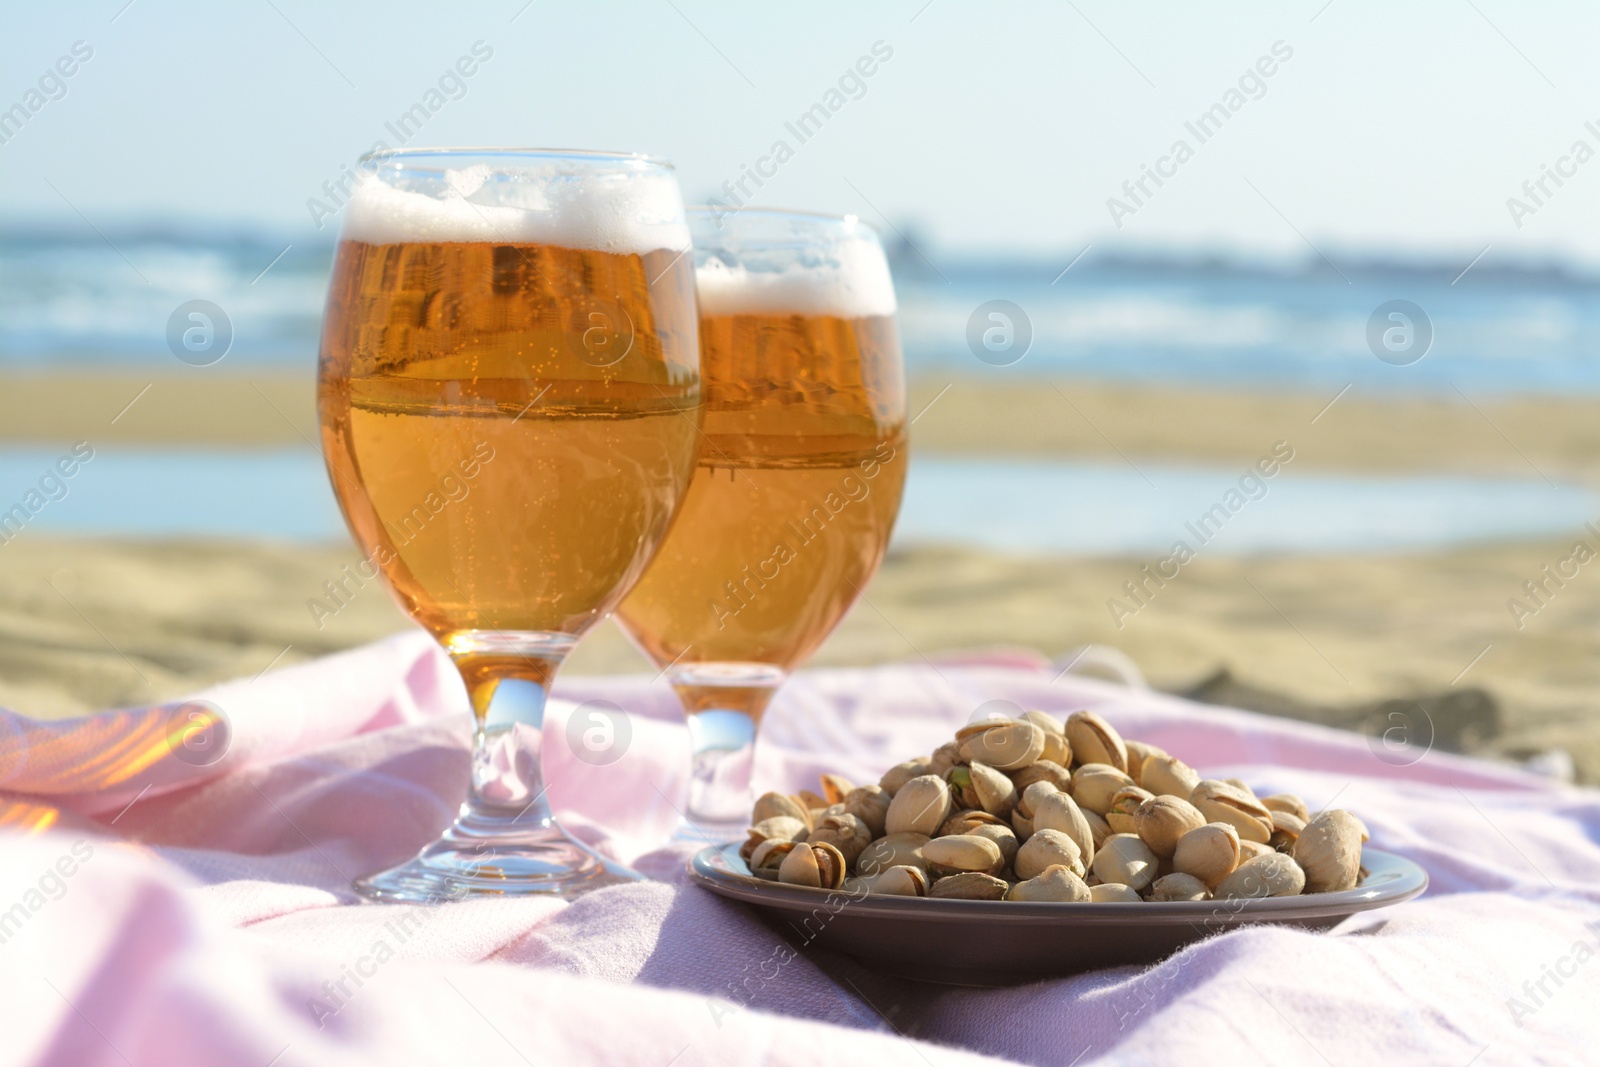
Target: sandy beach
<point x="89" y="624"/>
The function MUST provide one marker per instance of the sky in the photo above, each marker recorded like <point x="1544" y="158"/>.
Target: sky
<point x="984" y="130"/>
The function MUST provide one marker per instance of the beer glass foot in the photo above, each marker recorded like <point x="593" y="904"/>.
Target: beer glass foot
<point x="454" y="868"/>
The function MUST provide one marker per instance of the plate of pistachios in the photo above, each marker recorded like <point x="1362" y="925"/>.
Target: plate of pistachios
<point x="1033" y="848"/>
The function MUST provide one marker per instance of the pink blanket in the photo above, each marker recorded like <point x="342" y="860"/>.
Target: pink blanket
<point x="157" y="910"/>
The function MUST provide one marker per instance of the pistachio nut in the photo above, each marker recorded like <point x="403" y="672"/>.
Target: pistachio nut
<point x="1287" y="802"/>
<point x="1227" y="802"/>
<point x="1094" y="740"/>
<point x="1124" y="804"/>
<point x="944" y="757"/>
<point x="1055" y="883"/>
<point x="900" y="774"/>
<point x="835" y="787"/>
<point x="892" y="850"/>
<point x="1043" y="770"/>
<point x="1045" y="849"/>
<point x="1004" y="744"/>
<point x="1162" y="820"/>
<point x="1208" y="852"/>
<point x="774" y="805"/>
<point x="844" y="832"/>
<point x="1056" y="749"/>
<point x="981" y="786"/>
<point x="1179" y="886"/>
<point x="1240" y="784"/>
<point x="1030" y="798"/>
<point x="1003" y="837"/>
<point x="810" y="800"/>
<point x="1126" y="859"/>
<point x="970" y="885"/>
<point x="1058" y="811"/>
<point x="870" y="804"/>
<point x="1272" y="874"/>
<point x="920" y="806"/>
<point x="818" y="814"/>
<point x="1138" y="752"/>
<point x="1167" y="775"/>
<point x="963" y="852"/>
<point x="767" y="856"/>
<point x="1113" y="893"/>
<point x="895" y="882"/>
<point x="1329" y="851"/>
<point x="1286" y="829"/>
<point x="1099" y="829"/>
<point x="1249" y="850"/>
<point x="1095" y="784"/>
<point x="966" y="821"/>
<point x="819" y="866"/>
<point x="778" y="827"/>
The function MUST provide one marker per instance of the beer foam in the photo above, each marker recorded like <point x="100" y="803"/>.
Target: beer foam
<point x="852" y="283"/>
<point x="565" y="204"/>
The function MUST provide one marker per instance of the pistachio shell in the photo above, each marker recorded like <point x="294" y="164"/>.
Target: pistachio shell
<point x="920" y="806"/>
<point x="818" y="866"/>
<point x="1057" y="811"/>
<point x="1179" y="886"/>
<point x="1270" y="875"/>
<point x="1094" y="740"/>
<point x="1329" y="851"/>
<point x="1002" y="836"/>
<point x="1126" y="859"/>
<point x="1005" y="744"/>
<point x="981" y="786"/>
<point x="835" y="787"/>
<point x="1208" y="852"/>
<point x="892" y="850"/>
<point x="1287" y="802"/>
<point x="1167" y="775"/>
<point x="1286" y="829"/>
<point x="1095" y="784"/>
<point x="900" y="881"/>
<point x="1056" y="748"/>
<point x="776" y="805"/>
<point x="899" y="775"/>
<point x="1033" y="795"/>
<point x="1099" y="829"/>
<point x="963" y="852"/>
<point x="970" y="886"/>
<point x="1055" y="883"/>
<point x="1124" y="804"/>
<point x="1113" y="893"/>
<point x="1227" y="802"/>
<point x="944" y="757"/>
<point x="1045" y="849"/>
<point x="809" y="800"/>
<point x="778" y="827"/>
<point x="767" y="856"/>
<point x="1043" y="770"/>
<point x="1249" y="850"/>
<point x="870" y="804"/>
<point x="1138" y="753"/>
<point x="844" y="832"/>
<point x="1162" y="820"/>
<point x="966" y="821"/>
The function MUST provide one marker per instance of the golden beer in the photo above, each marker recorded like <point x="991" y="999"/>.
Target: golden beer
<point x="792" y="503"/>
<point x="509" y="427"/>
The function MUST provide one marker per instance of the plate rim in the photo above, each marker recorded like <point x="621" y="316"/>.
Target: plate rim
<point x="1394" y="879"/>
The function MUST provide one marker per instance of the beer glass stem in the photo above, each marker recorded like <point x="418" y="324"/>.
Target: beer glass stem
<point x="724" y="703"/>
<point x="505" y="837"/>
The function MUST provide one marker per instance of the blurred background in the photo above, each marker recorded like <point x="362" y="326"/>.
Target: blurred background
<point x="1143" y="258"/>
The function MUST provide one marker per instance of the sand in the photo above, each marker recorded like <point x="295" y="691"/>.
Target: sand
<point x="90" y="624"/>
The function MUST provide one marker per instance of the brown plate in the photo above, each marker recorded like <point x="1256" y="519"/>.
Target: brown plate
<point x="994" y="942"/>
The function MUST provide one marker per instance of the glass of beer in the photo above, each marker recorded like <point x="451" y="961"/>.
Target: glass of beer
<point x="799" y="479"/>
<point x="509" y="394"/>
